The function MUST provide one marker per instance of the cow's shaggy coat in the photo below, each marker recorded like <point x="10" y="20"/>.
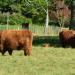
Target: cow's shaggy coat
<point x="67" y="38"/>
<point x="16" y="40"/>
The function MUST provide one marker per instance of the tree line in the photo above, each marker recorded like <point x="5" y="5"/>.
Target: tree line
<point x="32" y="11"/>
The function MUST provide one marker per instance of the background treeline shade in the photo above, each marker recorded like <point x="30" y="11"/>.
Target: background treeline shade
<point x="32" y="11"/>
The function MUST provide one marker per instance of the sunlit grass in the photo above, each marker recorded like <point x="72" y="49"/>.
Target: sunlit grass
<point x="43" y="61"/>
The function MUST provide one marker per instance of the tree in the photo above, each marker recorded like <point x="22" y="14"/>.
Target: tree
<point x="36" y="7"/>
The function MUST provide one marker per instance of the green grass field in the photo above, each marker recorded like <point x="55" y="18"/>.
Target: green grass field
<point x="43" y="61"/>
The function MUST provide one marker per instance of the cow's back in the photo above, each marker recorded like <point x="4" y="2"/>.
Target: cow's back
<point x="66" y="37"/>
<point x="66" y="34"/>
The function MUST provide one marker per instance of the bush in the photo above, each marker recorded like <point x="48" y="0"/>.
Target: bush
<point x="14" y="19"/>
<point x="3" y="18"/>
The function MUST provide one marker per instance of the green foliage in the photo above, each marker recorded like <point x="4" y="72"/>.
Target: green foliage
<point x="3" y="18"/>
<point x="12" y="27"/>
<point x="34" y="10"/>
<point x="16" y="19"/>
<point x="68" y="2"/>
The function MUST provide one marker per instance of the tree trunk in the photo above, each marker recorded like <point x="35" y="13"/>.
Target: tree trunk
<point x="7" y="19"/>
<point x="47" y="21"/>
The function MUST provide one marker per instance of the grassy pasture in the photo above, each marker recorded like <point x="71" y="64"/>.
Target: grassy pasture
<point x="43" y="61"/>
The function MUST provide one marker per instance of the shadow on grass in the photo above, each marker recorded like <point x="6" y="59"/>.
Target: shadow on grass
<point x="51" y="40"/>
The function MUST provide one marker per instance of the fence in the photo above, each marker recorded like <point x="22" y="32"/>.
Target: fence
<point x="38" y="30"/>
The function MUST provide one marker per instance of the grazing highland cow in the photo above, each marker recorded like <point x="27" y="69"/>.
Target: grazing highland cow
<point x="67" y="38"/>
<point x="16" y="39"/>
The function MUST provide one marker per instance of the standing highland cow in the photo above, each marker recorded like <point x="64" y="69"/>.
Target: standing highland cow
<point x="67" y="38"/>
<point x="16" y="39"/>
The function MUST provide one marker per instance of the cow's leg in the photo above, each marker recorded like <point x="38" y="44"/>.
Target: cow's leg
<point x="73" y="45"/>
<point x="3" y="52"/>
<point x="10" y="52"/>
<point x="63" y="45"/>
<point x="25" y="53"/>
<point x="29" y="47"/>
<point x="27" y="50"/>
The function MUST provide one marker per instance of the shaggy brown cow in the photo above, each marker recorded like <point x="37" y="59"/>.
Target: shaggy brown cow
<point x="67" y="38"/>
<point x="16" y="39"/>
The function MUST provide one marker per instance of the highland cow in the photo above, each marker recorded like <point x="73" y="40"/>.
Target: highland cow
<point x="16" y="40"/>
<point x="67" y="38"/>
